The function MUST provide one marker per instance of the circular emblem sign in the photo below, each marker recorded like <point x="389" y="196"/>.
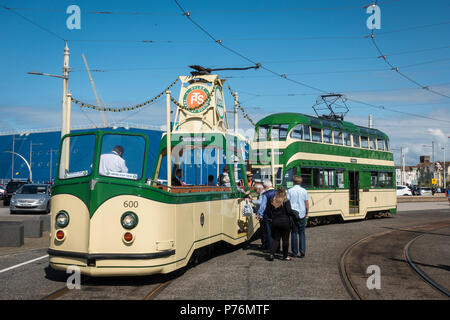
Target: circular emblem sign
<point x="219" y="102"/>
<point x="194" y="97"/>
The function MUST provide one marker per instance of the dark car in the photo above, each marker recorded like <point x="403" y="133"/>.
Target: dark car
<point x="12" y="187"/>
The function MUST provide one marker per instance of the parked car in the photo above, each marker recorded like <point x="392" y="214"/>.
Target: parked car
<point x="403" y="191"/>
<point x="31" y="198"/>
<point x="2" y="191"/>
<point x="425" y="192"/>
<point x="11" y="187"/>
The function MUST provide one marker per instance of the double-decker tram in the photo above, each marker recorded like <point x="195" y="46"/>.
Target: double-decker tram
<point x="347" y="169"/>
<point x="114" y="212"/>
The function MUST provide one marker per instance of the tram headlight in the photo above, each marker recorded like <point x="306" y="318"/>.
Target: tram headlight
<point x="62" y="219"/>
<point x="129" y="220"/>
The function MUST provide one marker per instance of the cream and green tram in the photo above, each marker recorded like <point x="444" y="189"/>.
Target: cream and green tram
<point x="347" y="169"/>
<point x="109" y="221"/>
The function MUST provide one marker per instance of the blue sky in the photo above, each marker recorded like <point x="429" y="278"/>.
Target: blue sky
<point x="320" y="43"/>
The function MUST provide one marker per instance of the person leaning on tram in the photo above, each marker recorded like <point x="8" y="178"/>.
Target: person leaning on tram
<point x="113" y="162"/>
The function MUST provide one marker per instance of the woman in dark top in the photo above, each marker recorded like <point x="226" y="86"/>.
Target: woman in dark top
<point x="281" y="222"/>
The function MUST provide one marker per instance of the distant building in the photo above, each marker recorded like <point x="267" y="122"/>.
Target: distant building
<point x="41" y="147"/>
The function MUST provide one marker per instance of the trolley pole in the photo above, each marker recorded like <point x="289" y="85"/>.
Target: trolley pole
<point x="65" y="124"/>
<point x="236" y="106"/>
<point x="168" y="141"/>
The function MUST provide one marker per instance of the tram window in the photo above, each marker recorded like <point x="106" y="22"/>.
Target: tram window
<point x="306" y="174"/>
<point x="373" y="179"/>
<point x="382" y="179"/>
<point x="372" y="143"/>
<point x="365" y="142"/>
<point x="278" y="175"/>
<point x="340" y="178"/>
<point x="77" y="155"/>
<point x="356" y="143"/>
<point x="122" y="156"/>
<point x="347" y="140"/>
<point x="317" y="177"/>
<point x="306" y="134"/>
<point x="289" y="177"/>
<point x="389" y="180"/>
<point x="386" y="142"/>
<point x="297" y="132"/>
<point x="327" y="137"/>
<point x="278" y="132"/>
<point x="328" y="178"/>
<point x="380" y="144"/>
<point x="337" y="137"/>
<point x="316" y="134"/>
<point x="262" y="133"/>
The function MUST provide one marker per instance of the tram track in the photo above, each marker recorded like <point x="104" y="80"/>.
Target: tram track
<point x="390" y="250"/>
<point x="92" y="289"/>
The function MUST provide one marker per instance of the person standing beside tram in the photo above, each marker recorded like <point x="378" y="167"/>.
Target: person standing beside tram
<point x="300" y="203"/>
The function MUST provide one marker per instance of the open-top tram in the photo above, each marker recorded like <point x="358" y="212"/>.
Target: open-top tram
<point x="347" y="169"/>
<point x="115" y="213"/>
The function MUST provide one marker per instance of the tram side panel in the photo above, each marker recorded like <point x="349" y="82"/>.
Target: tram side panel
<point x="328" y="202"/>
<point x="374" y="200"/>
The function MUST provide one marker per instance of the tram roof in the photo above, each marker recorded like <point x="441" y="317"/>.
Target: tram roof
<point x="293" y="119"/>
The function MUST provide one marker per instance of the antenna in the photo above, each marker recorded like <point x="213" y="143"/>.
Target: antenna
<point x="327" y="102"/>
<point x="95" y="91"/>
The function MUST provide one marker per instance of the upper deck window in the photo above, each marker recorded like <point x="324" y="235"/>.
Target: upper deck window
<point x="372" y="143"/>
<point x="77" y="156"/>
<point x="327" y="137"/>
<point x="122" y="156"/>
<point x="297" y="132"/>
<point x="301" y="132"/>
<point x="337" y="137"/>
<point x="380" y="144"/>
<point x="364" y="142"/>
<point x="262" y="133"/>
<point x="279" y="132"/>
<point x="347" y="140"/>
<point x="316" y="134"/>
<point x="356" y="142"/>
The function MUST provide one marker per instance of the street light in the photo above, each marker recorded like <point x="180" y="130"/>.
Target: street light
<point x="26" y="162"/>
<point x="445" y="178"/>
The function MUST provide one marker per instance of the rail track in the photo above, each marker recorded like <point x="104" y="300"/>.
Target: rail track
<point x="390" y="251"/>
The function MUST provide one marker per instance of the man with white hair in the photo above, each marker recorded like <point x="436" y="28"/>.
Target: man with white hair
<point x="264" y="215"/>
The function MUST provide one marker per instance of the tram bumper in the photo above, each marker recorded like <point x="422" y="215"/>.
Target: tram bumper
<point x="113" y="264"/>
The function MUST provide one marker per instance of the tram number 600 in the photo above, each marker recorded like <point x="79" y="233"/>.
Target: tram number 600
<point x="130" y="204"/>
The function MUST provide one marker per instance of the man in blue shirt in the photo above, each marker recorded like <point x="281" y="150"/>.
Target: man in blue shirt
<point x="265" y="215"/>
<point x="299" y="199"/>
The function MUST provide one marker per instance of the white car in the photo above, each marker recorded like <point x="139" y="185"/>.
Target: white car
<point x="425" y="192"/>
<point x="403" y="191"/>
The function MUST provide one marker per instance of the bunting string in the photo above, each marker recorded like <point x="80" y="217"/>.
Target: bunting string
<point x="122" y="109"/>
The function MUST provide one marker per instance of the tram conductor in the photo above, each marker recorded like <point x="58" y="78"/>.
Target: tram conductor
<point x="113" y="162"/>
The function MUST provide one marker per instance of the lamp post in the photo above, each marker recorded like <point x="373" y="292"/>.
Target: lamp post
<point x="26" y="162"/>
<point x="65" y="118"/>
<point x="445" y="182"/>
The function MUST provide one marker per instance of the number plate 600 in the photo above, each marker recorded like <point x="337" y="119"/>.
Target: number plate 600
<point x="130" y="204"/>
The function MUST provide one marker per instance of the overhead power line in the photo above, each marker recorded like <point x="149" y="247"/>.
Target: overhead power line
<point x="187" y="14"/>
<point x="396" y="68"/>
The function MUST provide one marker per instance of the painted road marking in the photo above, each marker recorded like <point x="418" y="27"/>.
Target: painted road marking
<point x="23" y="263"/>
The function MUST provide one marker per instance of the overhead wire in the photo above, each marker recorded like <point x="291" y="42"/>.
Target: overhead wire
<point x="397" y="69"/>
<point x="187" y="14"/>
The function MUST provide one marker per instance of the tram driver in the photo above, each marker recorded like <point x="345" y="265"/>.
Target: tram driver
<point x="113" y="162"/>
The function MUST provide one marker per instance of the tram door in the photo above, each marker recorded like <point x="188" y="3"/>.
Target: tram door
<point x="353" y="181"/>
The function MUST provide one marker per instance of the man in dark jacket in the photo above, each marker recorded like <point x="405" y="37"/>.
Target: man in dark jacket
<point x="264" y="213"/>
